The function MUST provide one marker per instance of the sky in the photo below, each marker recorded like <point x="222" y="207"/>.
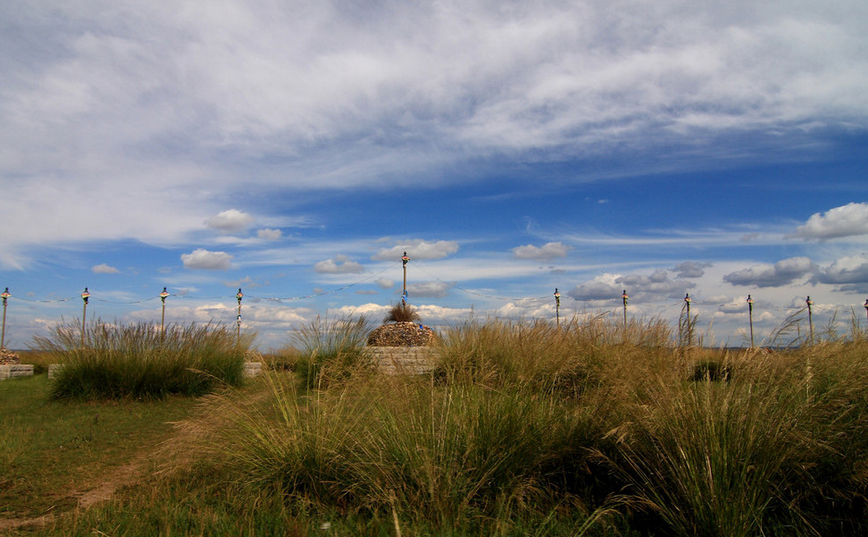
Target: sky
<point x="295" y="150"/>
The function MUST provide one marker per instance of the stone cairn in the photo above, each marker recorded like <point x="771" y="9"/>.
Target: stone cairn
<point x="8" y="357"/>
<point x="401" y="346"/>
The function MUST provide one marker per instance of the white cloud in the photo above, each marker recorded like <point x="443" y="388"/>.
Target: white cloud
<point x="845" y="221"/>
<point x="204" y="259"/>
<point x="691" y="269"/>
<point x="269" y="234"/>
<point x="602" y="287"/>
<point x="782" y="273"/>
<point x="417" y="249"/>
<point x="340" y="265"/>
<point x="546" y="252"/>
<point x="851" y="272"/>
<point x="103" y="269"/>
<point x="385" y="283"/>
<point x="230" y="221"/>
<point x="429" y="290"/>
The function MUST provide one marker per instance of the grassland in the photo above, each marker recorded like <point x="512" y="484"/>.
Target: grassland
<point x="522" y="429"/>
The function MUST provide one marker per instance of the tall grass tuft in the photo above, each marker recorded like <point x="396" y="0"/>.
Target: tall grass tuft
<point x="331" y="350"/>
<point x="138" y="361"/>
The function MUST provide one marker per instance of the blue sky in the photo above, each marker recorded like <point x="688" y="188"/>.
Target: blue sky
<point x="296" y="149"/>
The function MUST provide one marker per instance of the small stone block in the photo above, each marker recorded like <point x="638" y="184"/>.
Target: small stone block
<point x="15" y="371"/>
<point x="252" y="369"/>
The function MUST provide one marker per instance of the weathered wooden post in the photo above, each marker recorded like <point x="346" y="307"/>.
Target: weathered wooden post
<point x="84" y="296"/>
<point x="750" y="315"/>
<point x="6" y="295"/>
<point x="624" y="298"/>
<point x="810" y="303"/>
<point x="404" y="261"/>
<point x="689" y="328"/>
<point x="558" y="307"/>
<point x="163" y="296"/>
<point x="239" y="296"/>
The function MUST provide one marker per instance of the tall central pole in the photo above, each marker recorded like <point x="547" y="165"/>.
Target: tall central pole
<point x="84" y="296"/>
<point x="6" y="295"/>
<point x="810" y="303"/>
<point x="404" y="261"/>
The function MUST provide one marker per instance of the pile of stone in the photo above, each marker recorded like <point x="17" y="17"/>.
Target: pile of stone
<point x="401" y="335"/>
<point x="8" y="357"/>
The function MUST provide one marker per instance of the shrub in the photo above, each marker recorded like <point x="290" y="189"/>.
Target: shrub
<point x="140" y="362"/>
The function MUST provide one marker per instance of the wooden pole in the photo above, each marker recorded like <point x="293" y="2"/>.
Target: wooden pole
<point x="558" y="307"/>
<point x="6" y="295"/>
<point x="624" y="298"/>
<point x="404" y="261"/>
<point x="239" y="296"/>
<point x="84" y="296"/>
<point x="689" y="328"/>
<point x="750" y="315"/>
<point x="810" y="303"/>
<point x="163" y="296"/>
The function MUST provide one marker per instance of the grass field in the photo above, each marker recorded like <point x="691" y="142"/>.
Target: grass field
<point x="522" y="429"/>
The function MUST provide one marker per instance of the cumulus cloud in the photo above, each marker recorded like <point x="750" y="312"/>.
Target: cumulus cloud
<point x="103" y="269"/>
<point x="602" y="287"/>
<point x="658" y="283"/>
<point x="782" y="273"/>
<point x="230" y="221"/>
<point x="385" y="283"/>
<point x="850" y="272"/>
<point x="340" y="265"/>
<point x="546" y="252"/>
<point x="691" y="269"/>
<point x="417" y="249"/>
<point x="429" y="289"/>
<point x="207" y="260"/>
<point x="269" y="234"/>
<point x="845" y="221"/>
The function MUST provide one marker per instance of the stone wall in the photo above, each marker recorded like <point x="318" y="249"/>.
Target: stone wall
<point x="403" y="360"/>
<point x="15" y="370"/>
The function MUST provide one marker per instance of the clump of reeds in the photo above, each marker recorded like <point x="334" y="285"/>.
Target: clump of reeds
<point x="330" y="350"/>
<point x="140" y="361"/>
<point x="531" y="425"/>
<point x="402" y="313"/>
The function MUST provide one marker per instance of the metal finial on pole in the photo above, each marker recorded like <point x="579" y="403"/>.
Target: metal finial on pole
<point x="163" y="296"/>
<point x="558" y="307"/>
<point x="239" y="296"/>
<point x="750" y="315"/>
<point x="84" y="296"/>
<point x="810" y="303"/>
<point x="5" y="295"/>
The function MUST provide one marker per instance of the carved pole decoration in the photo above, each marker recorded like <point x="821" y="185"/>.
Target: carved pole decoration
<point x="810" y="303"/>
<point x="404" y="261"/>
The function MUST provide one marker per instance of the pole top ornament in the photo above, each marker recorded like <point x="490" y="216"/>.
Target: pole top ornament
<point x="85" y="295"/>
